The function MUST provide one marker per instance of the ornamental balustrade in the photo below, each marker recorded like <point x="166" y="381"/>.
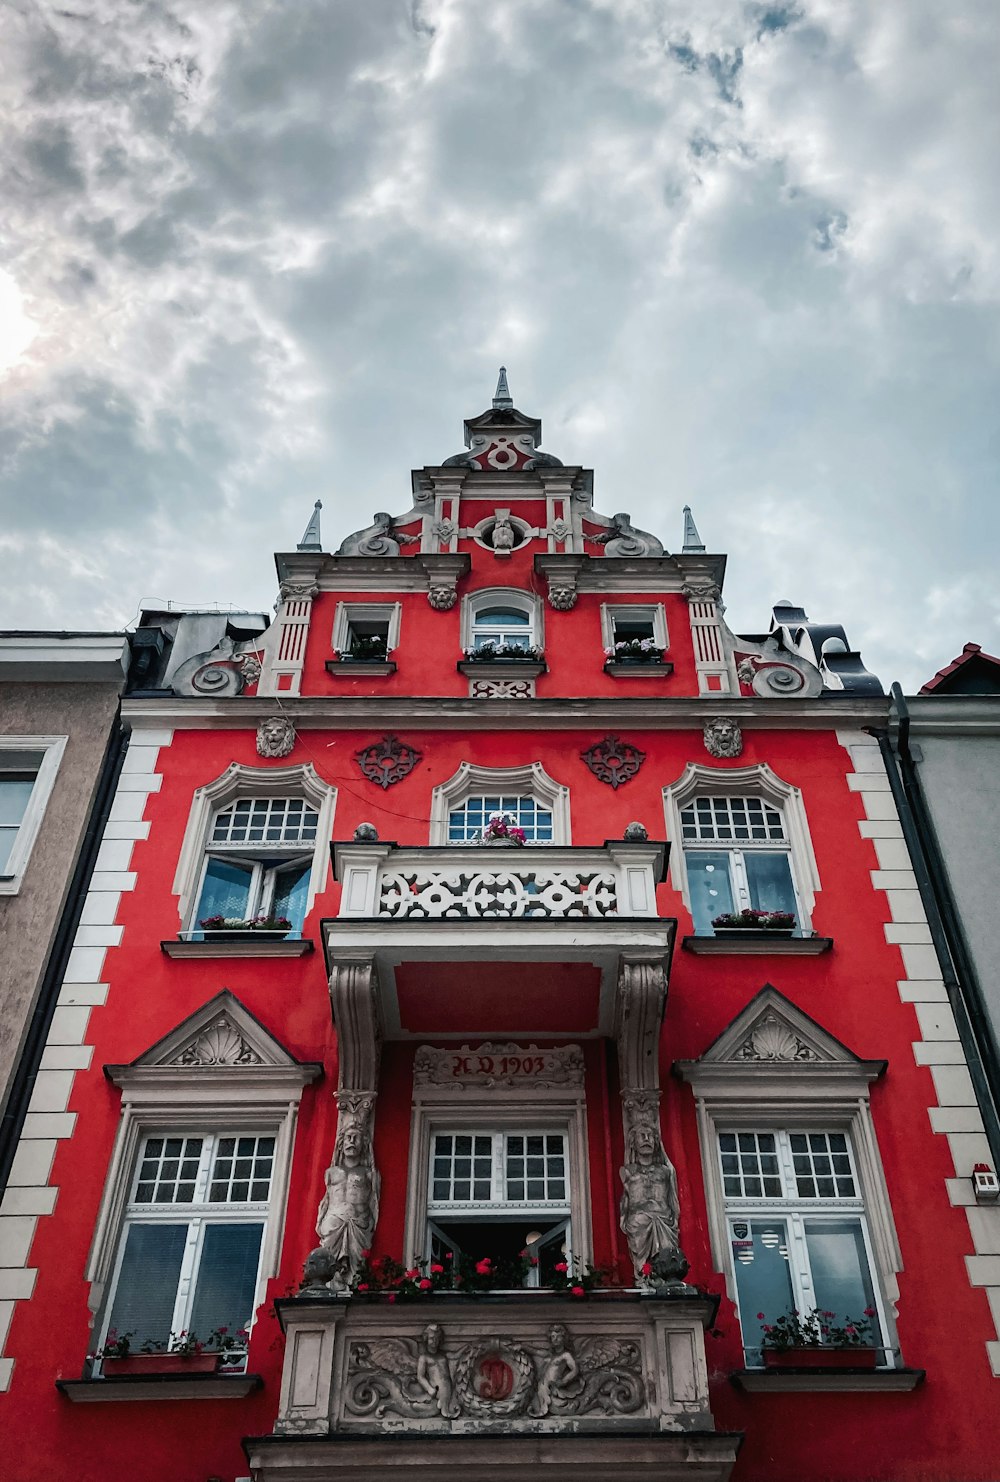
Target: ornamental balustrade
<point x="483" y="882"/>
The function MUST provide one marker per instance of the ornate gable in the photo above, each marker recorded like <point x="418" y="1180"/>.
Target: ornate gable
<point x="777" y="1048"/>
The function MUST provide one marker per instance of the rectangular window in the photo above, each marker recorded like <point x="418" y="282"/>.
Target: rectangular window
<point x="498" y="1194"/>
<point x="255" y="866"/>
<point x="753" y="868"/>
<point x="366" y="631"/>
<point x="15" y="793"/>
<point x="466" y="824"/>
<point x="189" y="1254"/>
<point x="28" y="767"/>
<point x="627" y="623"/>
<point x="797" y="1229"/>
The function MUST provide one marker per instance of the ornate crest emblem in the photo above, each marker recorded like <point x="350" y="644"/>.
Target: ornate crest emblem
<point x="613" y="760"/>
<point x="387" y="761"/>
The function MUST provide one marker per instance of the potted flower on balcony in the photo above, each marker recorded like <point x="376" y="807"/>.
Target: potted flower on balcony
<point x="813" y="1340"/>
<point x="183" y="1353"/>
<point x="634" y="651"/>
<point x="236" y="928"/>
<point x="491" y="650"/>
<point x="749" y="923"/>
<point x="503" y="832"/>
<point x="364" y="648"/>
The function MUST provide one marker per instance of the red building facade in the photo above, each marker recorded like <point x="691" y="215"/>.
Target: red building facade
<point x="326" y="1003"/>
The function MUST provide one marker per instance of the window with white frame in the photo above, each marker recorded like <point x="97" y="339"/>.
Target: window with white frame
<point x="258" y="860"/>
<point x="467" y="822"/>
<point x="190" y="1250"/>
<point x="534" y="801"/>
<point x="737" y="858"/>
<point x="28" y="767"/>
<point x="741" y="842"/>
<point x="255" y="846"/>
<point x="366" y="630"/>
<point x="501" y="618"/>
<point x="623" y="623"/>
<point x="797" y="1228"/>
<point x="499" y="1193"/>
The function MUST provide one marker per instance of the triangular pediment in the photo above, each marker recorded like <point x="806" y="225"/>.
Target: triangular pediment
<point x="221" y="1035"/>
<point x="772" y="1034"/>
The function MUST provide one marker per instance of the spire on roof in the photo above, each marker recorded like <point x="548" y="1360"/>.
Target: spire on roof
<point x="310" y="536"/>
<point x="692" y="540"/>
<point x="502" y="399"/>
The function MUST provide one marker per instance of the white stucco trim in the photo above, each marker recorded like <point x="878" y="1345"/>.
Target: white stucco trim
<point x="956" y="1115"/>
<point x="30" y="1194"/>
<point x="530" y="779"/>
<point x="239" y="781"/>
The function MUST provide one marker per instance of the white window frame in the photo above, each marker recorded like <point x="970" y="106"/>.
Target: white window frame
<point x="162" y="1094"/>
<point x="828" y="1092"/>
<point x="197" y="1214"/>
<point x="46" y="753"/>
<point x="470" y="780"/>
<point x="797" y="1213"/>
<point x="698" y="780"/>
<point x="348" y="613"/>
<point x="480" y="1109"/>
<point x="236" y="782"/>
<point x="648" y="612"/>
<point x="511" y="597"/>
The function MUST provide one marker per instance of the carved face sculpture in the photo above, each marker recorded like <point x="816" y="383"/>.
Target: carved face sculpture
<point x="558" y="1338"/>
<point x="643" y="1143"/>
<point x="353" y="1146"/>
<point x="723" y="737"/>
<point x="275" y="736"/>
<point x="432" y="1338"/>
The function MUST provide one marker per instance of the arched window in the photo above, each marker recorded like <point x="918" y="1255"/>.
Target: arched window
<point x="467" y="822"/>
<point x="461" y="807"/>
<point x="502" y="617"/>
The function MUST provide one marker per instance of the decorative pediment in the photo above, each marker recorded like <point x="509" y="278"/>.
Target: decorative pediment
<point x="772" y="1037"/>
<point x="222" y="1035"/>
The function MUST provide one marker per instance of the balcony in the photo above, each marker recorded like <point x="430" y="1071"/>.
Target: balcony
<point x="615" y="1384"/>
<point x="442" y="926"/>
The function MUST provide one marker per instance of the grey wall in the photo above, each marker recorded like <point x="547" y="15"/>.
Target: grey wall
<point x="84" y="713"/>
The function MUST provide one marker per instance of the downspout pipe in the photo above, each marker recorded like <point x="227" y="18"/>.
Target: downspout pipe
<point x="23" y="1083"/>
<point x="960" y="984"/>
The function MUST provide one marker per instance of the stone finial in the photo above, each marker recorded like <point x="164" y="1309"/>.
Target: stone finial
<point x="365" y="833"/>
<point x="692" y="540"/>
<point x="501" y="397"/>
<point x="310" y="536"/>
<point x="636" y="833"/>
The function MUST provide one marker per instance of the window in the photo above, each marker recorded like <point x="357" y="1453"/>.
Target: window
<point x="498" y="1193"/>
<point x="741" y="841"/>
<point x="797" y="1228"/>
<point x="737" y="856"/>
<point x="255" y="845"/>
<point x="621" y="623"/>
<point x="798" y="1209"/>
<point x="28" y="766"/>
<point x="461" y="807"/>
<point x="466" y="824"/>
<point x="366" y="630"/>
<point x="189" y="1256"/>
<point x="501" y="616"/>
<point x="258" y="860"/>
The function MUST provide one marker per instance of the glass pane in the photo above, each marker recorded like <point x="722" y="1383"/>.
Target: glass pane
<point x="227" y="1278"/>
<point x="14" y="795"/>
<point x="711" y="891"/>
<point x="226" y="891"/>
<point x="7" y="838"/>
<point x="841" y="1279"/>
<point x="147" y="1285"/>
<point x="763" y="1278"/>
<point x="770" y="879"/>
<point x="291" y="890"/>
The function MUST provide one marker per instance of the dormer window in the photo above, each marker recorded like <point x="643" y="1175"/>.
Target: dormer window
<point x="501" y="618"/>
<point x="501" y="627"/>
<point x="633" y="631"/>
<point x="365" y="632"/>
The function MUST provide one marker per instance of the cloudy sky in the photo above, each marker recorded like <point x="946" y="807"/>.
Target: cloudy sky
<point x="737" y="255"/>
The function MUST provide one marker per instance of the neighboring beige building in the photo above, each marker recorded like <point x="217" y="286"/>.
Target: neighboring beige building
<point x="60" y="752"/>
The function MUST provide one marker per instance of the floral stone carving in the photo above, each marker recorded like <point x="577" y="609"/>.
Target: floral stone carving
<point x="387" y="761"/>
<point x="494" y="1378"/>
<point x="613" y="760"/>
<point x="772" y="1039"/>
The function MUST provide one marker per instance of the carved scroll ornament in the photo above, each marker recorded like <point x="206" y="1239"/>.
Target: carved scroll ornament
<point x="613" y="760"/>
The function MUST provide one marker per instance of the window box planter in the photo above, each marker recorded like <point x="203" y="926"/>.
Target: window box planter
<point x="225" y="934"/>
<point x="359" y="668"/>
<point x="528" y="668"/>
<point x="753" y="933"/>
<point x="815" y="1356"/>
<point x="148" y="1364"/>
<point x="638" y="668"/>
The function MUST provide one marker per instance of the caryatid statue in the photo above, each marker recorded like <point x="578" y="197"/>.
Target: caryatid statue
<point x="650" y="1208"/>
<point x="349" y="1211"/>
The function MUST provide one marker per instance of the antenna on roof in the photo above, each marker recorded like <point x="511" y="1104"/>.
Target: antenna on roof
<point x="310" y="536"/>
<point x="502" y="399"/>
<point x="692" y="540"/>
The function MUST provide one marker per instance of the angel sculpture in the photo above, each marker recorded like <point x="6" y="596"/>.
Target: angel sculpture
<point x="403" y="1376"/>
<point x="599" y="1373"/>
